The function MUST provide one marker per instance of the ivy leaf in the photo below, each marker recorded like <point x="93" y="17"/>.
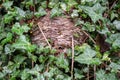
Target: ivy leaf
<point x="35" y="71"/>
<point x="63" y="6"/>
<point x="43" y="4"/>
<point x="7" y="39"/>
<point x="55" y="12"/>
<point x="98" y="8"/>
<point x="22" y="43"/>
<point x="70" y="4"/>
<point x="20" y="29"/>
<point x="83" y="1"/>
<point x="62" y="63"/>
<point x="94" y="12"/>
<point x="78" y="74"/>
<point x="113" y="15"/>
<point x="74" y="14"/>
<point x="42" y="59"/>
<point x="25" y="74"/>
<point x="19" y="59"/>
<point x="87" y="57"/>
<point x="114" y="40"/>
<point x="9" y="17"/>
<point x="53" y="3"/>
<point x="8" y="49"/>
<point x="117" y="24"/>
<point x="20" y="12"/>
<point x="41" y="12"/>
<point x="15" y="74"/>
<point x="7" y="4"/>
<point x="1" y="75"/>
<point x="2" y="35"/>
<point x="32" y="56"/>
<point x="115" y="67"/>
<point x="88" y="27"/>
<point x="101" y="75"/>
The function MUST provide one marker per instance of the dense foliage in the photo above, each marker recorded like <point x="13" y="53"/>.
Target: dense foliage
<point x="22" y="60"/>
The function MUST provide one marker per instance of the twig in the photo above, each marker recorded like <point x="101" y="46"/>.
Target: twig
<point x="89" y="37"/>
<point x="34" y="7"/>
<point x="47" y="67"/>
<point x="32" y="63"/>
<point x="88" y="72"/>
<point x="113" y="5"/>
<point x="72" y="65"/>
<point x="94" y="72"/>
<point x="44" y="35"/>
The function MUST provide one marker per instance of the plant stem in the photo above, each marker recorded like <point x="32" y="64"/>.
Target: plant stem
<point x="89" y="37"/>
<point x="72" y="65"/>
<point x="39" y="25"/>
<point x="88" y="73"/>
<point x="94" y="72"/>
<point x="32" y="63"/>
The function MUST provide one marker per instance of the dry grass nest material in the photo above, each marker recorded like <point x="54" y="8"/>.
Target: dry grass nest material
<point x="58" y="31"/>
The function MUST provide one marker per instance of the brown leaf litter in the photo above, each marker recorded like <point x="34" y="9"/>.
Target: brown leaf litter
<point x="58" y="31"/>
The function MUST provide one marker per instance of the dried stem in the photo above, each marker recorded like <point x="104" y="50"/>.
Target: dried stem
<point x="88" y="73"/>
<point x="94" y="72"/>
<point x="44" y="35"/>
<point x="113" y="5"/>
<point x="72" y="65"/>
<point x="47" y="67"/>
<point x="32" y="63"/>
<point x="34" y="7"/>
<point x="89" y="37"/>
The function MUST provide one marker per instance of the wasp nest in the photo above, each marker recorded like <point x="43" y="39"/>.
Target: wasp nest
<point x="57" y="31"/>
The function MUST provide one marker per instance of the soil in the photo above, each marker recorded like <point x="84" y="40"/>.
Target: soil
<point x="58" y="31"/>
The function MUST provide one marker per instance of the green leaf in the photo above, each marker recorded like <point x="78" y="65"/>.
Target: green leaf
<point x="14" y="75"/>
<point x="2" y="35"/>
<point x="22" y="43"/>
<point x="25" y="74"/>
<point x="115" y="67"/>
<point x="9" y="17"/>
<point x="114" y="39"/>
<point x="62" y="62"/>
<point x="33" y="57"/>
<point x="117" y="24"/>
<point x="55" y="12"/>
<point x="94" y="12"/>
<point x="21" y="13"/>
<point x="88" y="27"/>
<point x="83" y="1"/>
<point x="63" y="6"/>
<point x="7" y="4"/>
<point x="74" y="14"/>
<point x="1" y="75"/>
<point x="43" y="4"/>
<point x="113" y="15"/>
<point x="101" y="75"/>
<point x="105" y="57"/>
<point x="20" y="29"/>
<point x="7" y="39"/>
<point x="78" y="74"/>
<point x="41" y="12"/>
<point x="19" y="59"/>
<point x="8" y="49"/>
<point x="53" y="3"/>
<point x="35" y="71"/>
<point x="70" y="4"/>
<point x="42" y="59"/>
<point x="87" y="57"/>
